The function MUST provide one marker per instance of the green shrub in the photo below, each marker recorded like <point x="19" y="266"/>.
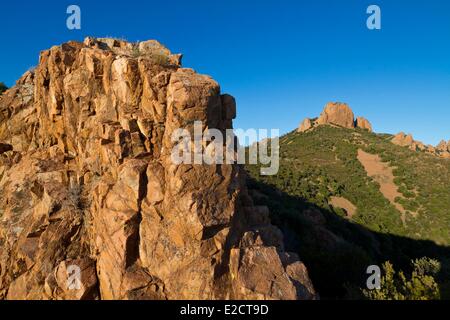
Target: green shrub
<point x="421" y="285"/>
<point x="3" y="87"/>
<point x="157" y="57"/>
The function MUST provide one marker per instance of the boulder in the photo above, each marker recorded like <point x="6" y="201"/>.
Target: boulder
<point x="403" y="140"/>
<point x="339" y="114"/>
<point x="443" y="146"/>
<point x="363" y="123"/>
<point x="305" y="125"/>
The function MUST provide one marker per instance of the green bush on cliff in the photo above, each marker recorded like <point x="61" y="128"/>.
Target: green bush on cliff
<point x="3" y="87"/>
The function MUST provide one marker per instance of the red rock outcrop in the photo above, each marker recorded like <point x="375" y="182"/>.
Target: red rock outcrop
<point x="403" y="140"/>
<point x="442" y="150"/>
<point x="340" y="114"/>
<point x="443" y="147"/>
<point x="88" y="183"/>
<point x="337" y="114"/>
<point x="305" y="125"/>
<point x="363" y="123"/>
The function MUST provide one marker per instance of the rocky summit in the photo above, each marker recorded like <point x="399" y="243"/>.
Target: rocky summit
<point x="88" y="188"/>
<point x="341" y="115"/>
<point x="337" y="114"/>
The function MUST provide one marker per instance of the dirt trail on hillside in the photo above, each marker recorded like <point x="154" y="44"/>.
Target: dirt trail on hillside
<point x="340" y="202"/>
<point x="381" y="173"/>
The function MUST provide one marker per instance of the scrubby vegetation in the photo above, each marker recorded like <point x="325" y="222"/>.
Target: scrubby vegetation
<point x="421" y="285"/>
<point x="323" y="163"/>
<point x="156" y="56"/>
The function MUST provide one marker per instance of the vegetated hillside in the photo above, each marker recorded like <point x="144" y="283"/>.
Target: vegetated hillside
<point x="371" y="221"/>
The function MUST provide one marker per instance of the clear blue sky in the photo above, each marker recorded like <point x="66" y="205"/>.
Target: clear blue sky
<point x="282" y="60"/>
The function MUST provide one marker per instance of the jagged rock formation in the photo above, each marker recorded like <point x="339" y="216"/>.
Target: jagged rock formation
<point x="443" y="146"/>
<point x="403" y="140"/>
<point x="406" y="140"/>
<point x="86" y="180"/>
<point x="338" y="114"/>
<point x="363" y="123"/>
<point x="305" y="125"/>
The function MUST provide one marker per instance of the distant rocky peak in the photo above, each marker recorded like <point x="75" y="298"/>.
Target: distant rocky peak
<point x="406" y="140"/>
<point x="338" y="114"/>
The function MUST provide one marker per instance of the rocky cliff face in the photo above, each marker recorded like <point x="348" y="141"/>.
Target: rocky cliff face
<point x="338" y="114"/>
<point x="86" y="180"/>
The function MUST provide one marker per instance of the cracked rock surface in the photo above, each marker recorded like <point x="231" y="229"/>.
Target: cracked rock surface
<point x="86" y="180"/>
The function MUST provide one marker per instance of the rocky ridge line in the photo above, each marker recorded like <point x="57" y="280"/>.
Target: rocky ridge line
<point x="406" y="140"/>
<point x="340" y="114"/>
